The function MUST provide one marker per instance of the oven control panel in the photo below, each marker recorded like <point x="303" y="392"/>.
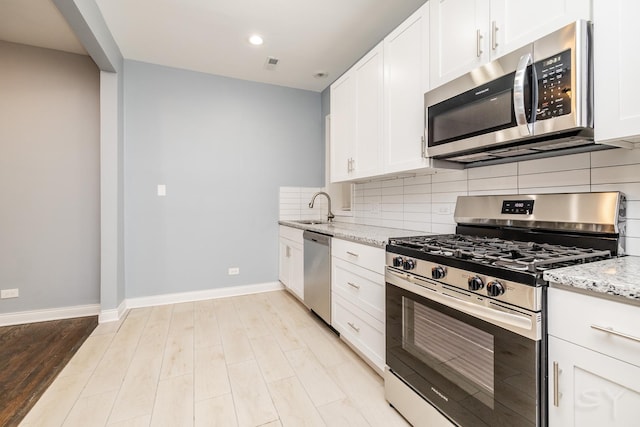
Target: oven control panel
<point x="517" y="207"/>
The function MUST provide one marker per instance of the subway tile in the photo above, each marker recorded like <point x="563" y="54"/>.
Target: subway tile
<point x="491" y="184"/>
<point x="555" y="164"/>
<point x="447" y="176"/>
<point x="633" y="228"/>
<point x="371" y="184"/>
<point x="442" y="219"/>
<point x="417" y="198"/>
<point x="417" y="189"/>
<point x="494" y="192"/>
<point x="398" y="198"/>
<point x="555" y="179"/>
<point x="449" y="186"/>
<point x="396" y="182"/>
<point x="391" y="207"/>
<point x="561" y="189"/>
<point x="392" y="223"/>
<point x="390" y="215"/>
<point x="632" y="246"/>
<point x="614" y="157"/>
<point x="417" y="207"/>
<point x="615" y="174"/>
<point x="443" y="228"/>
<point x="417" y="216"/>
<point x="372" y="192"/>
<point x="631" y="190"/>
<point x="633" y="209"/>
<point x="451" y="197"/>
<point x="418" y="226"/>
<point x="392" y="191"/>
<point x="493" y="171"/>
<point x="419" y="179"/>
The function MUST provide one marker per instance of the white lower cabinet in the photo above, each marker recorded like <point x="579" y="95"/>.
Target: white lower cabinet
<point x="594" y="361"/>
<point x="291" y="265"/>
<point x="357" y="298"/>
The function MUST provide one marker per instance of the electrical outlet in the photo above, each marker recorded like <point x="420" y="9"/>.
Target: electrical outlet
<point x="234" y="271"/>
<point x="9" y="293"/>
<point x="162" y="190"/>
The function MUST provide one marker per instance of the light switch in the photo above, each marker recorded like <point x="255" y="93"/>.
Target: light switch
<point x="162" y="190"/>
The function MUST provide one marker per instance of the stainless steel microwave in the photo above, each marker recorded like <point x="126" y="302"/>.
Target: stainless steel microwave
<point x="533" y="101"/>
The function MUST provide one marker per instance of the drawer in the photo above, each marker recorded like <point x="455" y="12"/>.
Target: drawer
<point x="573" y="316"/>
<point x="365" y="256"/>
<point x="361" y="330"/>
<point x="364" y="288"/>
<point x="291" y="233"/>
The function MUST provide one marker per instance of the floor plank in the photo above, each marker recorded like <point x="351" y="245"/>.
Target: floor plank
<point x="31" y="356"/>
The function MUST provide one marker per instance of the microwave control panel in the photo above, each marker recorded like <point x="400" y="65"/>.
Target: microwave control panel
<point x="554" y="86"/>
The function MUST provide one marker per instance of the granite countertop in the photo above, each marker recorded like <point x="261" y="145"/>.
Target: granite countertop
<point x="359" y="233"/>
<point x="617" y="278"/>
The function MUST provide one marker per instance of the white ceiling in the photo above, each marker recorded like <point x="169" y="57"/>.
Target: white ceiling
<point x="211" y="35"/>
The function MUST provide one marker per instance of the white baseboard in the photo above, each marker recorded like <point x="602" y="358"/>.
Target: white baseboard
<point x="45" y="315"/>
<point x="113" y="315"/>
<point x="230" y="291"/>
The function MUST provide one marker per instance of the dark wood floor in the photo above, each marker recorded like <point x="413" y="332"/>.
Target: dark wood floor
<point x="31" y="356"/>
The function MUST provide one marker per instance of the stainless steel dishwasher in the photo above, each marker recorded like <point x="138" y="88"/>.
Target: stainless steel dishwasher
<point x="317" y="274"/>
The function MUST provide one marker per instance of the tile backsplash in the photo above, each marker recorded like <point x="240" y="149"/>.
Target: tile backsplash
<point x="426" y="202"/>
<point x="294" y="203"/>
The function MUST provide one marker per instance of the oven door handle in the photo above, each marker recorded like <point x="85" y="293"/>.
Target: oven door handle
<point x="517" y="322"/>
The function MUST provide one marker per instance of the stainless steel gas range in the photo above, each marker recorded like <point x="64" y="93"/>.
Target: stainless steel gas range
<point x="465" y="312"/>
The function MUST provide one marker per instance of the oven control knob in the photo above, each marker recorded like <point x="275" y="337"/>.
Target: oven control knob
<point x="495" y="288"/>
<point x="398" y="261"/>
<point x="438" y="272"/>
<point x="409" y="264"/>
<point x="475" y="283"/>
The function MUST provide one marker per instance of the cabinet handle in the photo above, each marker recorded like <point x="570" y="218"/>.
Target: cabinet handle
<point x="288" y="252"/>
<point x="423" y="143"/>
<point x="556" y="393"/>
<point x="352" y="254"/>
<point x="494" y="38"/>
<point x="478" y="43"/>
<point x="614" y="332"/>
<point x="353" y="285"/>
<point x="354" y="327"/>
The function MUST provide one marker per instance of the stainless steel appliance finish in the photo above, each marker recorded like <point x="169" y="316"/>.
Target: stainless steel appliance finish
<point x="465" y="312"/>
<point x="536" y="99"/>
<point x="317" y="274"/>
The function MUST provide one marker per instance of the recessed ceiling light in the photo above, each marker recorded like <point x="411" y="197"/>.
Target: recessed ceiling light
<point x="256" y="40"/>
<point x="320" y="74"/>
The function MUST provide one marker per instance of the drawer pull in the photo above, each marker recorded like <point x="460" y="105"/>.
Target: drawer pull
<point x="353" y="285"/>
<point x="614" y="332"/>
<point x="352" y="254"/>
<point x="354" y="327"/>
<point x="556" y="393"/>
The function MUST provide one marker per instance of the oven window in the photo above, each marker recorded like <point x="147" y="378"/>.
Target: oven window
<point x="460" y="352"/>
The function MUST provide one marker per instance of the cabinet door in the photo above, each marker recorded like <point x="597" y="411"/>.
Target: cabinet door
<point x="594" y="390"/>
<point x="406" y="78"/>
<point x="514" y="23"/>
<point x="343" y="126"/>
<point x="297" y="271"/>
<point x="369" y="85"/>
<point x="459" y="38"/>
<point x="284" y="262"/>
<point x="616" y="65"/>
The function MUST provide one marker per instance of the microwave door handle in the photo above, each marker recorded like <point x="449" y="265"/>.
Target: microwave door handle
<point x="518" y="92"/>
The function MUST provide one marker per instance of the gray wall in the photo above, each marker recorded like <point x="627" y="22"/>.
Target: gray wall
<point x="222" y="147"/>
<point x="49" y="178"/>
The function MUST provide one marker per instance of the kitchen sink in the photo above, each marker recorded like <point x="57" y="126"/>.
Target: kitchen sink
<point x="311" y="221"/>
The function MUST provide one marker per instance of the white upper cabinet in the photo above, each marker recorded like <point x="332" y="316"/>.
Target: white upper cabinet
<point x="356" y="119"/>
<point x="468" y="33"/>
<point x="616" y="65"/>
<point x="406" y="78"/>
<point x="459" y="30"/>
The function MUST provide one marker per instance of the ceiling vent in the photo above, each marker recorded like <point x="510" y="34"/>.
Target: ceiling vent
<point x="271" y="62"/>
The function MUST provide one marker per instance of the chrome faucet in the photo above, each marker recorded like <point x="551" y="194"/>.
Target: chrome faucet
<point x="330" y="215"/>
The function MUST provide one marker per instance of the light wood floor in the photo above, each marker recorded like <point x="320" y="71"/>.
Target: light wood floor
<point x="255" y="360"/>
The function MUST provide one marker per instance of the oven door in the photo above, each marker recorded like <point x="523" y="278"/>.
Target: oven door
<point x="455" y="356"/>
